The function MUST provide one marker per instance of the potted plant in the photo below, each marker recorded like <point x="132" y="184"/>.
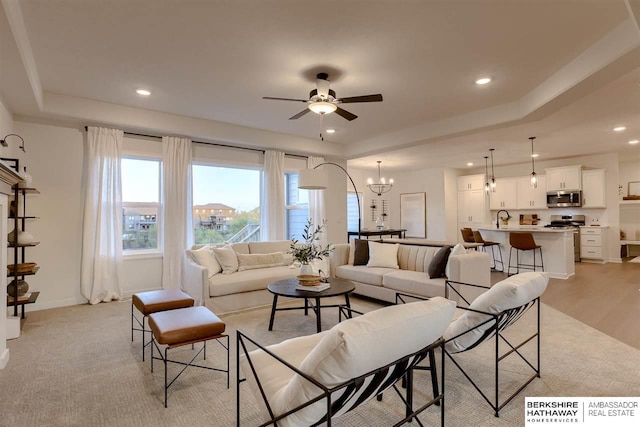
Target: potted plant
<point x="308" y="251"/>
<point x="505" y="219"/>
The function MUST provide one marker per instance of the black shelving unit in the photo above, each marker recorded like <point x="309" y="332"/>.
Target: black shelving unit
<point x="19" y="250"/>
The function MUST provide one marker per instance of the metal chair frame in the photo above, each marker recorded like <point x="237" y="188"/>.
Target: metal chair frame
<point x="402" y="367"/>
<point x="526" y="266"/>
<point x="142" y="325"/>
<point x="498" y="323"/>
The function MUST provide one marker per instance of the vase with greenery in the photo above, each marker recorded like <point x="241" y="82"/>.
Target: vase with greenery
<point x="309" y="250"/>
<point x="505" y="219"/>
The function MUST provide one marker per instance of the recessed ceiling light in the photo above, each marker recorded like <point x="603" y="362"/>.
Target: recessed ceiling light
<point x="535" y="155"/>
<point x="470" y="164"/>
<point x="619" y="128"/>
<point x="331" y="131"/>
<point x="634" y="141"/>
<point x="483" y="80"/>
<point x="143" y="92"/>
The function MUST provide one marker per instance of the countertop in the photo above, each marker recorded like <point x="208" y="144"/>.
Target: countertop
<point x="530" y="228"/>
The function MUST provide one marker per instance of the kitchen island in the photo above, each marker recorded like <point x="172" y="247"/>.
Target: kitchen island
<point x="557" y="247"/>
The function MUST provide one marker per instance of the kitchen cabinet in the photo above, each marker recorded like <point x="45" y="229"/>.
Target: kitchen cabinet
<point x="531" y="198"/>
<point x="564" y="178"/>
<point x="471" y="182"/>
<point x="593" y="244"/>
<point x="593" y="189"/>
<point x="505" y="195"/>
<point x="471" y="208"/>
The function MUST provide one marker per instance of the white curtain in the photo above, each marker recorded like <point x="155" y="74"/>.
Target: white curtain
<point x="101" y="258"/>
<point x="177" y="207"/>
<point x="317" y="210"/>
<point x="272" y="197"/>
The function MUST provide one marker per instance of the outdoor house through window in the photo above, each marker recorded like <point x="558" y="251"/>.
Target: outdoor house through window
<point x="226" y="204"/>
<point x="140" y="204"/>
<point x="352" y="211"/>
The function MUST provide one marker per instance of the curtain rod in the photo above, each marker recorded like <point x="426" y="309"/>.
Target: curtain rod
<point x="209" y="143"/>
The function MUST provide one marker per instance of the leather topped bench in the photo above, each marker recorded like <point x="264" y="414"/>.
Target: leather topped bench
<point x="153" y="302"/>
<point x="182" y="326"/>
<point x="185" y="326"/>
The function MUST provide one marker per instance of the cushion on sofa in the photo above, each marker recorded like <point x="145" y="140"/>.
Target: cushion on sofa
<point x="254" y="261"/>
<point x="241" y="248"/>
<point x="249" y="280"/>
<point x="383" y="255"/>
<point x="457" y="250"/>
<point x="439" y="262"/>
<point x="205" y="257"/>
<point x="361" y="252"/>
<point x="269" y="247"/>
<point x="414" y="283"/>
<point x="227" y="258"/>
<point x="359" y="345"/>
<point x="416" y="258"/>
<point x="510" y="293"/>
<point x="363" y="274"/>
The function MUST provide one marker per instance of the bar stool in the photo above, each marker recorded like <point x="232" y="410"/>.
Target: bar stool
<point x="467" y="235"/>
<point x="487" y="244"/>
<point x="524" y="242"/>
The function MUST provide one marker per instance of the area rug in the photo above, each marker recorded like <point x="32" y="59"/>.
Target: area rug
<point x="636" y="260"/>
<point x="77" y="366"/>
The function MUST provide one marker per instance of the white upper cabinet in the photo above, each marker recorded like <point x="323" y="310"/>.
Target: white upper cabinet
<point x="471" y="208"/>
<point x="531" y="198"/>
<point x="593" y="189"/>
<point x="471" y="182"/>
<point x="505" y="195"/>
<point x="567" y="178"/>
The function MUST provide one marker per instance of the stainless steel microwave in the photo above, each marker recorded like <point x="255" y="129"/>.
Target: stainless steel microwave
<point x="564" y="199"/>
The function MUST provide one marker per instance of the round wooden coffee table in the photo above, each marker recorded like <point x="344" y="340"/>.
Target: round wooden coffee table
<point x="287" y="288"/>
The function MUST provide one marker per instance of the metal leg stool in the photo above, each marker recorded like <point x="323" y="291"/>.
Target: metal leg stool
<point x="524" y="242"/>
<point x="153" y="302"/>
<point x="477" y="237"/>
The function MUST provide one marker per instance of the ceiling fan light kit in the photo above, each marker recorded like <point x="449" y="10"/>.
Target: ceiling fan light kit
<point x="323" y="100"/>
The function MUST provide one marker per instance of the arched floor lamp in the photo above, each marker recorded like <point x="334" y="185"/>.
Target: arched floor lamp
<point x="316" y="179"/>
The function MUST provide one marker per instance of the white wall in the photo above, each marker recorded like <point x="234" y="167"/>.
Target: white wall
<point x="441" y="204"/>
<point x="6" y="127"/>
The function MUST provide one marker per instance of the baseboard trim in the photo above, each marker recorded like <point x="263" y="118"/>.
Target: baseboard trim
<point x="616" y="260"/>
<point x="4" y="358"/>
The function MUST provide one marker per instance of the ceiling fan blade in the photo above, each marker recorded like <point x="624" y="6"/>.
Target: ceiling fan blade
<point x="284" y="99"/>
<point x="344" y="113"/>
<point x="300" y="114"/>
<point x="364" y="98"/>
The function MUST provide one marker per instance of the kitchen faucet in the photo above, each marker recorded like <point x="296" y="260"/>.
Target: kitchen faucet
<point x="498" y="216"/>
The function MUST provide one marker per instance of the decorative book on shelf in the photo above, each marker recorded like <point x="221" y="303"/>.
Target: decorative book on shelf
<point x="314" y="288"/>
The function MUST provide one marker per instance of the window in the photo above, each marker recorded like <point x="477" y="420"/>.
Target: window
<point x="140" y="204"/>
<point x="352" y="211"/>
<point x="297" y="206"/>
<point x="226" y="204"/>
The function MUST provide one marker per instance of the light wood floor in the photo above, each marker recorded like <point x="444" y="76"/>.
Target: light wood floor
<point x="605" y="297"/>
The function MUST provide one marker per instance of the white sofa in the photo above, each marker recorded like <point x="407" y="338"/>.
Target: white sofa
<point x="241" y="289"/>
<point x="382" y="283"/>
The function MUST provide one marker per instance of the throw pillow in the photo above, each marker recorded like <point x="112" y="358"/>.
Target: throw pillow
<point x="227" y="258"/>
<point x="439" y="262"/>
<point x="512" y="292"/>
<point x="253" y="261"/>
<point x="457" y="250"/>
<point x="361" y="252"/>
<point x="383" y="255"/>
<point x="206" y="258"/>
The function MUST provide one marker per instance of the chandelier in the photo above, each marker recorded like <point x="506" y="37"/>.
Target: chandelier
<point x="382" y="186"/>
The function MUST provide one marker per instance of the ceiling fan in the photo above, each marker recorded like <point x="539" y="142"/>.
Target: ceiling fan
<point x="323" y="100"/>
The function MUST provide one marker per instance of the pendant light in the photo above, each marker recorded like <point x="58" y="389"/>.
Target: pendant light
<point x="382" y="186"/>
<point x="534" y="177"/>
<point x="493" y="175"/>
<point x="486" y="174"/>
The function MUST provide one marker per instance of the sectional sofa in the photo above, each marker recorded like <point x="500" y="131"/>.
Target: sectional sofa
<point x="411" y="277"/>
